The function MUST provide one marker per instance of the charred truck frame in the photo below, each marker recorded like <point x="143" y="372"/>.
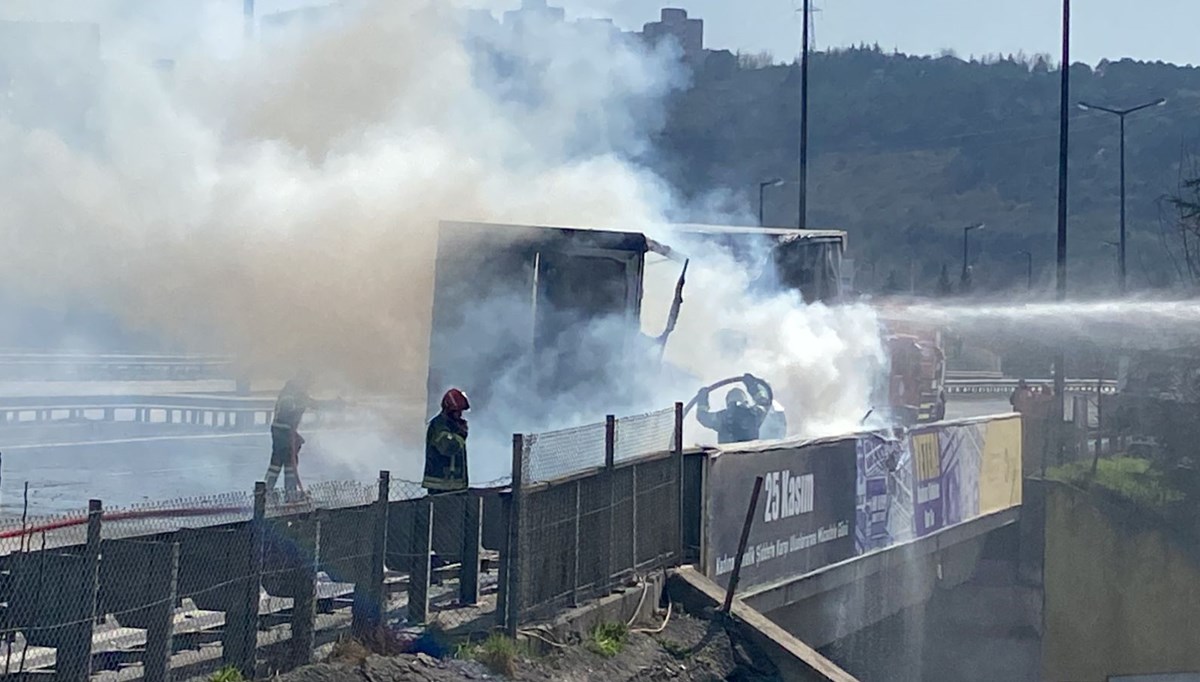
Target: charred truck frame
<point x="524" y="301"/>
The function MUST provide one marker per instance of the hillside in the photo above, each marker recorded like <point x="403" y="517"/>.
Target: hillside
<point x="906" y="150"/>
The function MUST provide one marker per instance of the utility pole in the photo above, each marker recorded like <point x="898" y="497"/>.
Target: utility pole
<point x="803" y="222"/>
<point x="1122" y="113"/>
<point x="1060" y="361"/>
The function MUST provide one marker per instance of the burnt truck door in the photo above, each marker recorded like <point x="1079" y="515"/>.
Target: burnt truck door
<point x="525" y="314"/>
<point x="588" y="311"/>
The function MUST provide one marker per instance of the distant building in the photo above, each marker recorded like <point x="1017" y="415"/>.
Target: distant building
<point x="533" y="13"/>
<point x="674" y="23"/>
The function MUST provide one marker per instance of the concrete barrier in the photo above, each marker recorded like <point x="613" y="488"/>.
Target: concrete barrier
<point x="794" y="659"/>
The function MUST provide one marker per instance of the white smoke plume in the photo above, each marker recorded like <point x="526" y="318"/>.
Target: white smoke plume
<point x="278" y="199"/>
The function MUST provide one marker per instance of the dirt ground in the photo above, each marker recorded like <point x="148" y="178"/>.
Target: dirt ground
<point x="688" y="650"/>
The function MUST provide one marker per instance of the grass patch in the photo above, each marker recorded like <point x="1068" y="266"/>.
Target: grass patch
<point x="497" y="653"/>
<point x="227" y="674"/>
<point x="1131" y="478"/>
<point x="608" y="639"/>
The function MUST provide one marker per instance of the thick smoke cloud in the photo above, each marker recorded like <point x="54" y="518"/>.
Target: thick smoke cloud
<point x="281" y="205"/>
<point x="278" y="200"/>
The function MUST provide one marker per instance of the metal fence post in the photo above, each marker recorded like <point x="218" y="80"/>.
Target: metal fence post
<point x="574" y="567"/>
<point x="610" y="454"/>
<point x="677" y="468"/>
<point x="74" y="660"/>
<point x="304" y="592"/>
<point x="513" y="599"/>
<point x="505" y="555"/>
<point x="368" y="606"/>
<point x="422" y="548"/>
<point x="163" y="584"/>
<point x="249" y="651"/>
<point x="633" y="504"/>
<point x="468" y="579"/>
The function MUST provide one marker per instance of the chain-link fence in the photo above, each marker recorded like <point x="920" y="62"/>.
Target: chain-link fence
<point x="258" y="581"/>
<point x="592" y="527"/>
<point x="254" y="581"/>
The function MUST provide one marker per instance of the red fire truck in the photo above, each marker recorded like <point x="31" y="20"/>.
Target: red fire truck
<point x="917" y="371"/>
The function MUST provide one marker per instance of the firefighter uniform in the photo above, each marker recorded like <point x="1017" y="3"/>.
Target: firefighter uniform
<point x="446" y="446"/>
<point x="293" y="401"/>
<point x="741" y="420"/>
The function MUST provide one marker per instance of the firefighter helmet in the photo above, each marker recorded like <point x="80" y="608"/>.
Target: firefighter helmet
<point x="736" y="397"/>
<point x="455" y="401"/>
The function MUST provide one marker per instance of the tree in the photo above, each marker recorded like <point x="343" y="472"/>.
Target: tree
<point x="1186" y="203"/>
<point x="944" y="288"/>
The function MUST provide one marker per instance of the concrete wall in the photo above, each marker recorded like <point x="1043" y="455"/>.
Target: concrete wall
<point x="1122" y="593"/>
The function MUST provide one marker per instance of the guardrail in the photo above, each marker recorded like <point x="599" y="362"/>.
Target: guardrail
<point x="225" y="412"/>
<point x="999" y="387"/>
<point x="68" y="366"/>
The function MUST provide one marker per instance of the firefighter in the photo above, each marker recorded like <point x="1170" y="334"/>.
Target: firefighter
<point x="1021" y="397"/>
<point x="446" y="446"/>
<point x="741" y="419"/>
<point x="286" y="440"/>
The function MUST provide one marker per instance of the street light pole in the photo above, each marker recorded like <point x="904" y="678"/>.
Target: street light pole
<point x="803" y="222"/>
<point x="762" y="186"/>
<point x="1028" y="269"/>
<point x="1064" y="122"/>
<point x="966" y="253"/>
<point x="1121" y="114"/>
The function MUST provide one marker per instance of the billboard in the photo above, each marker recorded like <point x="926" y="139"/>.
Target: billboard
<point x="884" y="492"/>
<point x="804" y="518"/>
<point x="1000" y="474"/>
<point x="934" y="477"/>
<point x="825" y="501"/>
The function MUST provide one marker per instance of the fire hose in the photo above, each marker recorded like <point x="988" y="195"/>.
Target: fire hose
<point x="725" y="382"/>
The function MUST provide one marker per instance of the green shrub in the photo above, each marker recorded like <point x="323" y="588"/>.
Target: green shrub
<point x="227" y="674"/>
<point x="608" y="639"/>
<point x="498" y="653"/>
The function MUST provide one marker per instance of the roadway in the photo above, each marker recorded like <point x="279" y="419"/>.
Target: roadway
<point x="67" y="465"/>
<point x="127" y="463"/>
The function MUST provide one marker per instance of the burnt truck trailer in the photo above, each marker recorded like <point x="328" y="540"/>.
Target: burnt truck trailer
<point x="514" y="308"/>
<point x="551" y="316"/>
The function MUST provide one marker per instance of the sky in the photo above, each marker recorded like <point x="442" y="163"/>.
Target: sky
<point x="1148" y="30"/>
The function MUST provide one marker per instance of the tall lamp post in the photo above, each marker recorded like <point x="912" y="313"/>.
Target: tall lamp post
<point x="1028" y="269"/>
<point x="1064" y="136"/>
<point x="1121" y="114"/>
<point x="762" y="188"/>
<point x="803" y="222"/>
<point x="966" y="246"/>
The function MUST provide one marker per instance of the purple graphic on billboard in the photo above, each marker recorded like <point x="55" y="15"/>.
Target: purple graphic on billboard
<point x="884" y="493"/>
<point x="961" y="458"/>
<point x="928" y="482"/>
